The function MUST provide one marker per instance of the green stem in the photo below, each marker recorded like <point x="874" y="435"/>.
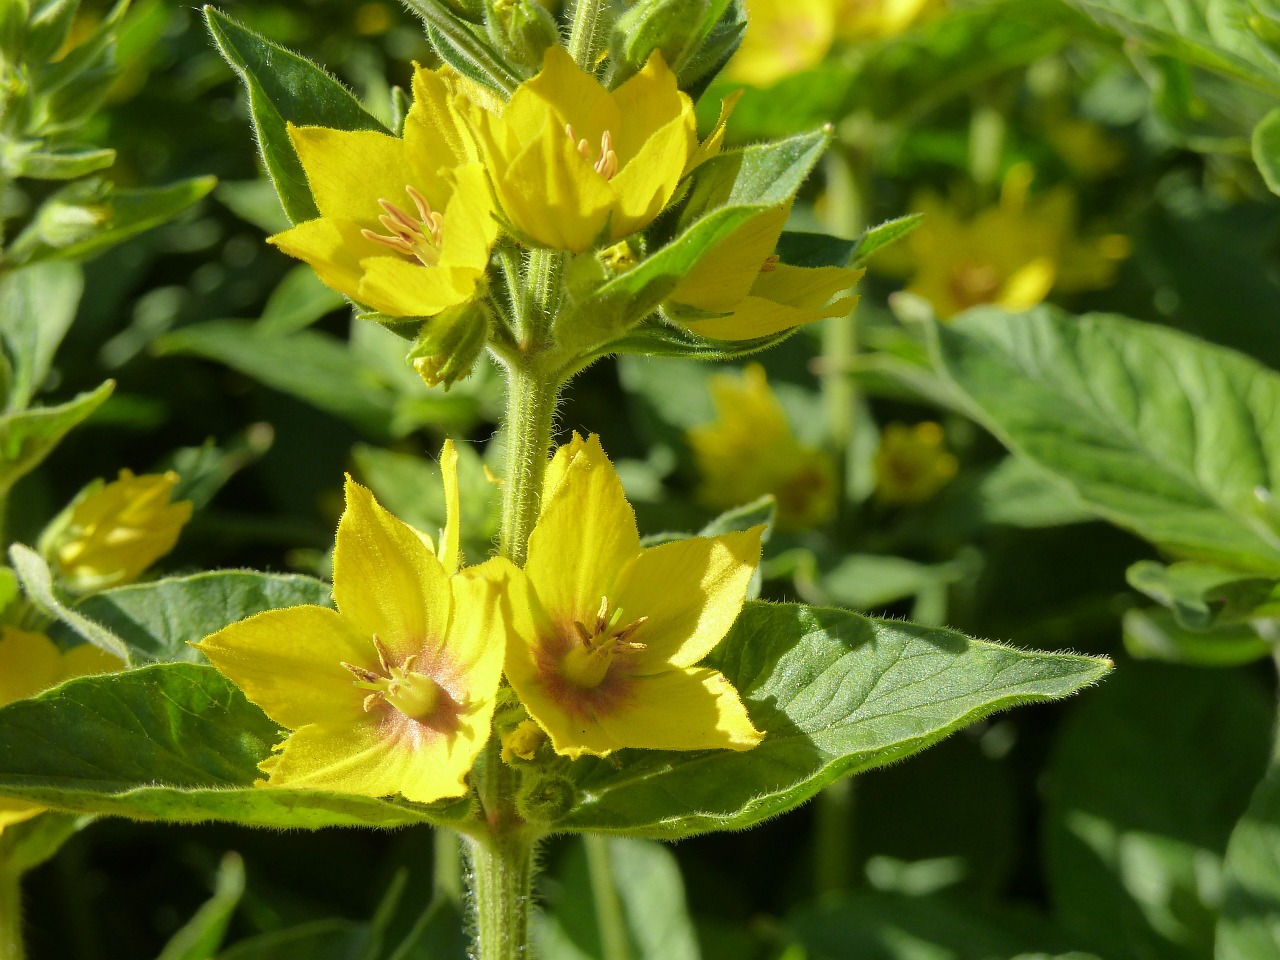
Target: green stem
<point x="609" y="918"/>
<point x="11" y="945"/>
<point x="501" y="890"/>
<point x="531" y="406"/>
<point x="582" y="34"/>
<point x="833" y="827"/>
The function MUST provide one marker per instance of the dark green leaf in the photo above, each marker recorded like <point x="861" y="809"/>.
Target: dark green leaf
<point x="285" y="88"/>
<point x="1156" y="634"/>
<point x="1143" y="795"/>
<point x="307" y="364"/>
<point x="173" y="741"/>
<point x="836" y="693"/>
<point x="1168" y="436"/>
<point x="27" y="437"/>
<point x="1249" y="926"/>
<point x="37" y="305"/>
<point x="158" y="620"/>
<point x="299" y="301"/>
<point x="1266" y="149"/>
<point x="201" y="936"/>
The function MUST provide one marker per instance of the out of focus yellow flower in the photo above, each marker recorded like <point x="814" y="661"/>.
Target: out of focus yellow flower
<point x="1086" y="147"/>
<point x="864" y="20"/>
<point x="783" y="37"/>
<point x="114" y="532"/>
<point x="749" y="451"/>
<point x="29" y="664"/>
<point x="740" y="292"/>
<point x="573" y="164"/>
<point x="1010" y="255"/>
<point x="913" y="463"/>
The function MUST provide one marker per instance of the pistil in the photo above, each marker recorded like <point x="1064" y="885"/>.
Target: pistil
<point x="415" y="695"/>
<point x="586" y="663"/>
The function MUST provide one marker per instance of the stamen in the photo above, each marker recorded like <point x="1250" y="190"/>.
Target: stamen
<point x="366" y="675"/>
<point x="418" y="238"/>
<point x="770" y="264"/>
<point x="607" y="165"/>
<point x="382" y="653"/>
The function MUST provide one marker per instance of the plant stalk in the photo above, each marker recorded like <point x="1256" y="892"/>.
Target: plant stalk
<point x="531" y="407"/>
<point x="11" y="943"/>
<point x="501" y="889"/>
<point x="584" y="31"/>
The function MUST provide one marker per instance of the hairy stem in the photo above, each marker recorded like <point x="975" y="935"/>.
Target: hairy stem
<point x="501" y="888"/>
<point x="583" y="33"/>
<point x="531" y="406"/>
<point x="609" y="918"/>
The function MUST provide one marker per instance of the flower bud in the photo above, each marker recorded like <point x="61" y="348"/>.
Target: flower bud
<point x="545" y="799"/>
<point x="111" y="533"/>
<point x="668" y="27"/>
<point x="521" y="30"/>
<point x="449" y="344"/>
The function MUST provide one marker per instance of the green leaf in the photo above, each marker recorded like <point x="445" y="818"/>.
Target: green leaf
<point x="204" y="470"/>
<point x="1266" y="149"/>
<point x="285" y="88"/>
<point x="1160" y="433"/>
<point x="37" y="583"/>
<point x="879" y="237"/>
<point x="836" y="693"/>
<point x="869" y="581"/>
<point x="656" y="339"/>
<point x="307" y="364"/>
<point x="172" y="741"/>
<point x="37" y="305"/>
<point x="1249" y="924"/>
<point x="61" y="164"/>
<point x="201" y="936"/>
<point x="897" y="927"/>
<point x="78" y="226"/>
<point x="158" y="620"/>
<point x="814" y="249"/>
<point x="27" y="437"/>
<point x="1142" y="797"/>
<point x="255" y="202"/>
<point x="299" y="301"/>
<point x="27" y="844"/>
<point x="728" y="190"/>
<point x="1202" y="595"/>
<point x="319" y="940"/>
<point x="1017" y="493"/>
<point x="650" y="892"/>
<point x="1156" y="634"/>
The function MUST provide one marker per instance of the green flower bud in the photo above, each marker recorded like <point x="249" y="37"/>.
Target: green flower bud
<point x="669" y="27"/>
<point x="546" y="798"/>
<point x="450" y="343"/>
<point x="521" y="30"/>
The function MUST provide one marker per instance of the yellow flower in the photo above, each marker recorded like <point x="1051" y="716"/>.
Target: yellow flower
<point x="1086" y="147"/>
<point x="405" y="224"/>
<point x="749" y="450"/>
<point x="740" y="291"/>
<point x="1010" y="255"/>
<point x="573" y="164"/>
<point x="394" y="691"/>
<point x="115" y="532"/>
<point x="30" y="663"/>
<point x="783" y="37"/>
<point x="912" y="463"/>
<point x="605" y="633"/>
<point x="865" y="20"/>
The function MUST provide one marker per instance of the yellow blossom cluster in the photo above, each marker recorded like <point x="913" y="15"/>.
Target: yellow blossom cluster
<point x="599" y="637"/>
<point x="407" y="224"/>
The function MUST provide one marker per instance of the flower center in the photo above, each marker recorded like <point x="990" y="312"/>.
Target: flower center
<point x="973" y="283"/>
<point x="418" y="237"/>
<point x="416" y="695"/>
<point x="587" y="662"/>
<point x="607" y="164"/>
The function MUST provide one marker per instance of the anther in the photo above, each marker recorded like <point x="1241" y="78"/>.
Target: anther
<point x="368" y="676"/>
<point x="770" y="264"/>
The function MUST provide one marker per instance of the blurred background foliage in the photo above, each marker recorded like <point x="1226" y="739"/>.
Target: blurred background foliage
<point x="1091" y="154"/>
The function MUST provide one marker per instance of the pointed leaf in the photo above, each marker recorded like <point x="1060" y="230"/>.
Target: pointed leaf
<point x="173" y="741"/>
<point x="1160" y="433"/>
<point x="836" y="693"/>
<point x="29" y="436"/>
<point x="37" y="305"/>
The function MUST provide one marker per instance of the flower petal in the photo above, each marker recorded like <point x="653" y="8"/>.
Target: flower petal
<point x="575" y="96"/>
<point x="469" y="225"/>
<point x="647" y="105"/>
<point x="386" y="579"/>
<point x="332" y="248"/>
<point x="584" y="538"/>
<point x="553" y="195"/>
<point x="399" y="288"/>
<point x="691" y="709"/>
<point x="648" y="181"/>
<point x="289" y="662"/>
<point x="449" y="553"/>
<point x="376" y="759"/>
<point x="477" y="640"/>
<point x="434" y="128"/>
<point x="720" y="280"/>
<point x="15" y="811"/>
<point x="29" y="663"/>
<point x="690" y="591"/>
<point x="348" y="170"/>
